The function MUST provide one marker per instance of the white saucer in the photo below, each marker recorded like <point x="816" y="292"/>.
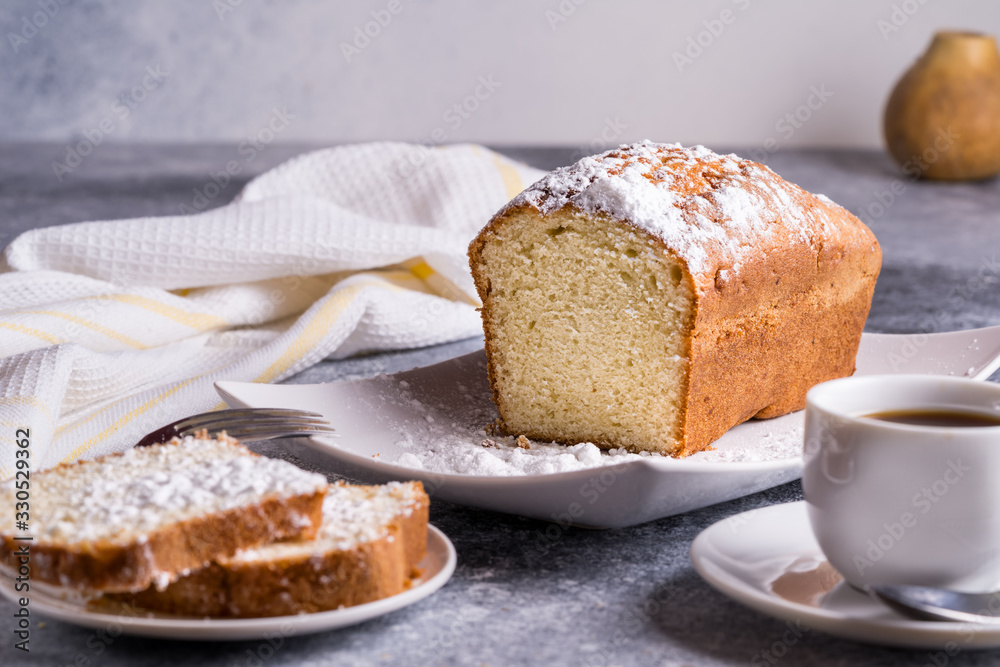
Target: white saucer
<point x="750" y="555"/>
<point x="452" y="400"/>
<point x="437" y="566"/>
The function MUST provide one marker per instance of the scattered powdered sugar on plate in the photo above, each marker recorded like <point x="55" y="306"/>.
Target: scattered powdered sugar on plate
<point x="769" y="445"/>
<point x="500" y="456"/>
<point x="446" y="430"/>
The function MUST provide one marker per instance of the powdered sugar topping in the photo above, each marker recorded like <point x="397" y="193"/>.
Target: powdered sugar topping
<point x="124" y="497"/>
<point x="712" y="210"/>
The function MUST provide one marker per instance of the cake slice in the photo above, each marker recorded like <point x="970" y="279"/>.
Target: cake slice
<point x="367" y="548"/>
<point x="126" y="521"/>
<point x="652" y="297"/>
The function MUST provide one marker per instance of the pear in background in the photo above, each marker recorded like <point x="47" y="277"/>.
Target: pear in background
<point x="942" y="121"/>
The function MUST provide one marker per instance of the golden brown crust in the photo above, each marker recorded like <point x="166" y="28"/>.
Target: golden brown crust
<point x="371" y="571"/>
<point x="764" y="329"/>
<point x="794" y="319"/>
<point x="300" y="584"/>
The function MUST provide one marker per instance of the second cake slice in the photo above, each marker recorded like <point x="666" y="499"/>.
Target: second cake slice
<point x="367" y="549"/>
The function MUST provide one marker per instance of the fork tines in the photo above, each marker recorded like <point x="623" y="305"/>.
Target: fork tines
<point x="251" y="424"/>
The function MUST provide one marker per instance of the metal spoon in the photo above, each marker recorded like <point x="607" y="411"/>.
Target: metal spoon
<point x="938" y="604"/>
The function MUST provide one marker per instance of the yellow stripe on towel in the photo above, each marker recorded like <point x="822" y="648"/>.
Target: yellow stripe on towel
<point x="419" y="267"/>
<point x="32" y="401"/>
<point x="114" y="335"/>
<point x="312" y="333"/>
<point x="199" y="321"/>
<point x="438" y="283"/>
<point x="508" y="174"/>
<point x="317" y="327"/>
<point x="48" y="338"/>
<point x="121" y="421"/>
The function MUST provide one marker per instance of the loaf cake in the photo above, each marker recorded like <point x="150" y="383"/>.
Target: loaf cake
<point x="654" y="296"/>
<point x="126" y="521"/>
<point x="369" y="544"/>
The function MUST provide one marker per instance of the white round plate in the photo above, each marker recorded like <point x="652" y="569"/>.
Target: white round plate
<point x="373" y="416"/>
<point x="751" y="555"/>
<point x="438" y="566"/>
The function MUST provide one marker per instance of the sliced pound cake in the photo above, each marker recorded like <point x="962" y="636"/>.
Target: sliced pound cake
<point x="655" y="296"/>
<point x="126" y="521"/>
<point x="367" y="548"/>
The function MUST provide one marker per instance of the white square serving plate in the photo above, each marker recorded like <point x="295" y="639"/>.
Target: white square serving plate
<point x="376" y="418"/>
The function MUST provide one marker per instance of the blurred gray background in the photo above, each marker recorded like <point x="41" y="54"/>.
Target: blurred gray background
<point x="582" y="73"/>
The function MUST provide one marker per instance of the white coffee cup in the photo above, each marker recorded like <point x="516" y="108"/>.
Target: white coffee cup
<point x="902" y="504"/>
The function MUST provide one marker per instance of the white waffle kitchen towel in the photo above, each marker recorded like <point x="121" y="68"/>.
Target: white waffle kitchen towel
<point x="109" y="330"/>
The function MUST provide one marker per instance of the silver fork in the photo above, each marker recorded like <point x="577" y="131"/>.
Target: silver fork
<point x="245" y="424"/>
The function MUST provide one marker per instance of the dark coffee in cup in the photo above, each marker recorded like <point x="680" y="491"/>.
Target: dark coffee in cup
<point x="943" y="418"/>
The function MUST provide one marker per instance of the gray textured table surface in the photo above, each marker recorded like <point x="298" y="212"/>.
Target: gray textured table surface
<point x="586" y="600"/>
